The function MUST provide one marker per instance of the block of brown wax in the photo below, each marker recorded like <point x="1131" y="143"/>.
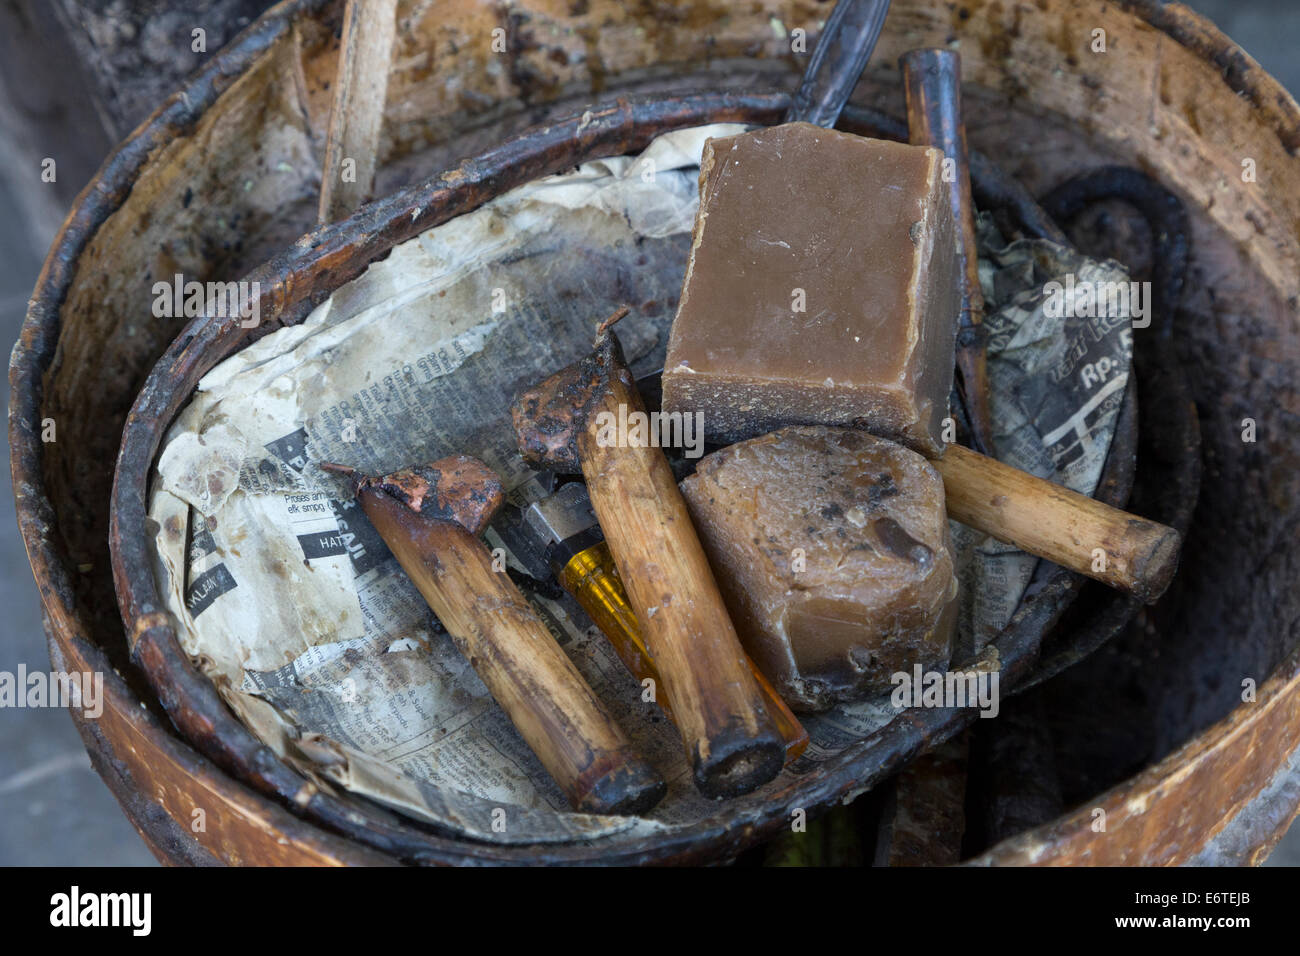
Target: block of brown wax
<point x="831" y="548"/>
<point x="822" y="288"/>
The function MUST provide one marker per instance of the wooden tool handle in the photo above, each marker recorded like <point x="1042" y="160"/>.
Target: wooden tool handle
<point x="731" y="739"/>
<point x="1132" y="554"/>
<point x="498" y="632"/>
<point x="592" y="578"/>
<point x="932" y="85"/>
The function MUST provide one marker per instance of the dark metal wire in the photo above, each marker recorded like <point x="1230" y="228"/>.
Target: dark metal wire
<point x="837" y="63"/>
<point x="1169" y="459"/>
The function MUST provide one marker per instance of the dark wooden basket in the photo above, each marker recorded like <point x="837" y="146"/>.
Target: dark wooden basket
<point x="174" y="199"/>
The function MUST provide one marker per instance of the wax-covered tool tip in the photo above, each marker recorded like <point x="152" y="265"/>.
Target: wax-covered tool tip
<point x="549" y="416"/>
<point x="457" y="488"/>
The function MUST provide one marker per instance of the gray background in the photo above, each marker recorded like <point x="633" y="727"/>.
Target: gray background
<point x="53" y="807"/>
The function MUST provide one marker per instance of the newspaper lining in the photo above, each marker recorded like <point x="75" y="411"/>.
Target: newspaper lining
<point x="293" y="606"/>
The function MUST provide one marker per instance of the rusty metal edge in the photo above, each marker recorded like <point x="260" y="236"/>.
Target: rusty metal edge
<point x="1238" y="69"/>
<point x="30" y="361"/>
<point x="1174" y="784"/>
<point x="34" y="351"/>
<point x="155" y="813"/>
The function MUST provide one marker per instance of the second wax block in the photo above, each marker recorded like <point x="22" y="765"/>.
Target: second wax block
<point x="822" y="288"/>
<point x="832" y="549"/>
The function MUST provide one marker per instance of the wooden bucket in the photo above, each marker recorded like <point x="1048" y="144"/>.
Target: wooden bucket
<point x="225" y="176"/>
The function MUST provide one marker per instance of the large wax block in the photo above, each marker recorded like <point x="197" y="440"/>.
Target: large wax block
<point x="831" y="548"/>
<point x="822" y="287"/>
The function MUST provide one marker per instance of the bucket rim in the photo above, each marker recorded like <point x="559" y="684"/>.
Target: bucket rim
<point x="34" y="352"/>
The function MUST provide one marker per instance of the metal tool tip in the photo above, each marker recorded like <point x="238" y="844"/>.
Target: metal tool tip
<point x="605" y="324"/>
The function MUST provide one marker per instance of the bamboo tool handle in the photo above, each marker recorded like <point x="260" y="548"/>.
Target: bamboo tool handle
<point x="592" y="578"/>
<point x="932" y="84"/>
<point x="731" y="739"/>
<point x="1133" y="554"/>
<point x="499" y="633"/>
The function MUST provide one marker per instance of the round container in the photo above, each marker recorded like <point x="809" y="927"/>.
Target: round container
<point x="225" y="175"/>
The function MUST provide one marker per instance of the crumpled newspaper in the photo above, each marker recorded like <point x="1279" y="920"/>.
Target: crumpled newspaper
<point x="292" y="605"/>
<point x="1056" y="384"/>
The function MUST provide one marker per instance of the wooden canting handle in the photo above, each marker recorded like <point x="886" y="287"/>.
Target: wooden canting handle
<point x="730" y="738"/>
<point x="592" y="578"/>
<point x="499" y="633"/>
<point x="1133" y="554"/>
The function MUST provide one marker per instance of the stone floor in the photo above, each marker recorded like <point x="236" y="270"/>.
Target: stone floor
<point x="53" y="808"/>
